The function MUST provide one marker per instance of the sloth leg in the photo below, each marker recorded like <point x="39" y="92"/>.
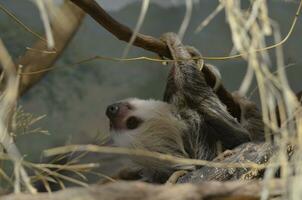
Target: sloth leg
<point x="187" y="89"/>
<point x="208" y="67"/>
<point x="251" y="117"/>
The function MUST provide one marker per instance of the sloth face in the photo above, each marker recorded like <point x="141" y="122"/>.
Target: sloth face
<point x="130" y="114"/>
<point x="136" y="122"/>
<point x="147" y="124"/>
<point x="121" y="117"/>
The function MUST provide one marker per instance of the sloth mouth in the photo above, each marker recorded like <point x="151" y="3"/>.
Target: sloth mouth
<point x="117" y="125"/>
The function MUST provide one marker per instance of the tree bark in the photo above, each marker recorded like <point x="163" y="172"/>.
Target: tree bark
<point x="37" y="60"/>
<point x="258" y="153"/>
<point x="243" y="190"/>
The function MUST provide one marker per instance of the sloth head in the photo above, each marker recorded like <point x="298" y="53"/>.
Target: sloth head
<point x="147" y="124"/>
<point x="130" y="114"/>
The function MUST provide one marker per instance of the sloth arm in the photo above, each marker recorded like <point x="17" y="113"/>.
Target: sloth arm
<point x="187" y="89"/>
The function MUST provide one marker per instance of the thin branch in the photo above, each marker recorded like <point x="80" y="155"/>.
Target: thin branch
<point x="186" y="20"/>
<point x="138" y="191"/>
<point x="63" y="33"/>
<point x="46" y="23"/>
<point x="19" y="22"/>
<point x="144" y="9"/>
<point x="152" y="44"/>
<point x="119" y="30"/>
<point x="149" y="154"/>
<point x="8" y="100"/>
<point x="207" y="20"/>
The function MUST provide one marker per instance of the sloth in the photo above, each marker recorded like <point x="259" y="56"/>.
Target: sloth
<point x="190" y="122"/>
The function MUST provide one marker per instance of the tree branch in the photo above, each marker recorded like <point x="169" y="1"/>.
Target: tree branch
<point x="258" y="153"/>
<point x="36" y="60"/>
<point x="250" y="190"/>
<point x="119" y="30"/>
<point x="152" y="44"/>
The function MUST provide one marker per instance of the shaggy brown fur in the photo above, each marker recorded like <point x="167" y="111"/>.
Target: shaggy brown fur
<point x="191" y="122"/>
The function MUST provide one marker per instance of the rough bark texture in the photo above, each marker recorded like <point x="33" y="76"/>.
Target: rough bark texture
<point x="244" y="190"/>
<point x="38" y="61"/>
<point x="258" y="153"/>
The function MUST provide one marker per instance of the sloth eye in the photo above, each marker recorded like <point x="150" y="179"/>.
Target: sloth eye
<point x="133" y="122"/>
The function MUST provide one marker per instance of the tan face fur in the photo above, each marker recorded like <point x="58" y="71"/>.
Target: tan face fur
<point x="146" y="124"/>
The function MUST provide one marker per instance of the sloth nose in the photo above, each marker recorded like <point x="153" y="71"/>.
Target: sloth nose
<point x="112" y="110"/>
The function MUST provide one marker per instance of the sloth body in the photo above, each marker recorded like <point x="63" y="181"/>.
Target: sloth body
<point x="191" y="121"/>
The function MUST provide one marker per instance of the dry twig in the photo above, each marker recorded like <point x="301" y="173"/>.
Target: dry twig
<point x="8" y="100"/>
<point x="243" y="190"/>
<point x="152" y="44"/>
<point x="37" y="60"/>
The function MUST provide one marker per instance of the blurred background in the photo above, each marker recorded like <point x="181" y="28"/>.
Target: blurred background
<point x="74" y="98"/>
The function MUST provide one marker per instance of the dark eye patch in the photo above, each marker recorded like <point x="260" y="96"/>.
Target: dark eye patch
<point x="133" y="122"/>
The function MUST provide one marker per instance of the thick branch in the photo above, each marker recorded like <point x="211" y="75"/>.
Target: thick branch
<point x="149" y="43"/>
<point x="119" y="30"/>
<point x="34" y="60"/>
<point x="142" y="191"/>
<point x="258" y="153"/>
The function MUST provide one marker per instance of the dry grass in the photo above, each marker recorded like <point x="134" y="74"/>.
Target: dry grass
<point x="250" y="28"/>
<point x="144" y="9"/>
<point x="14" y="120"/>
